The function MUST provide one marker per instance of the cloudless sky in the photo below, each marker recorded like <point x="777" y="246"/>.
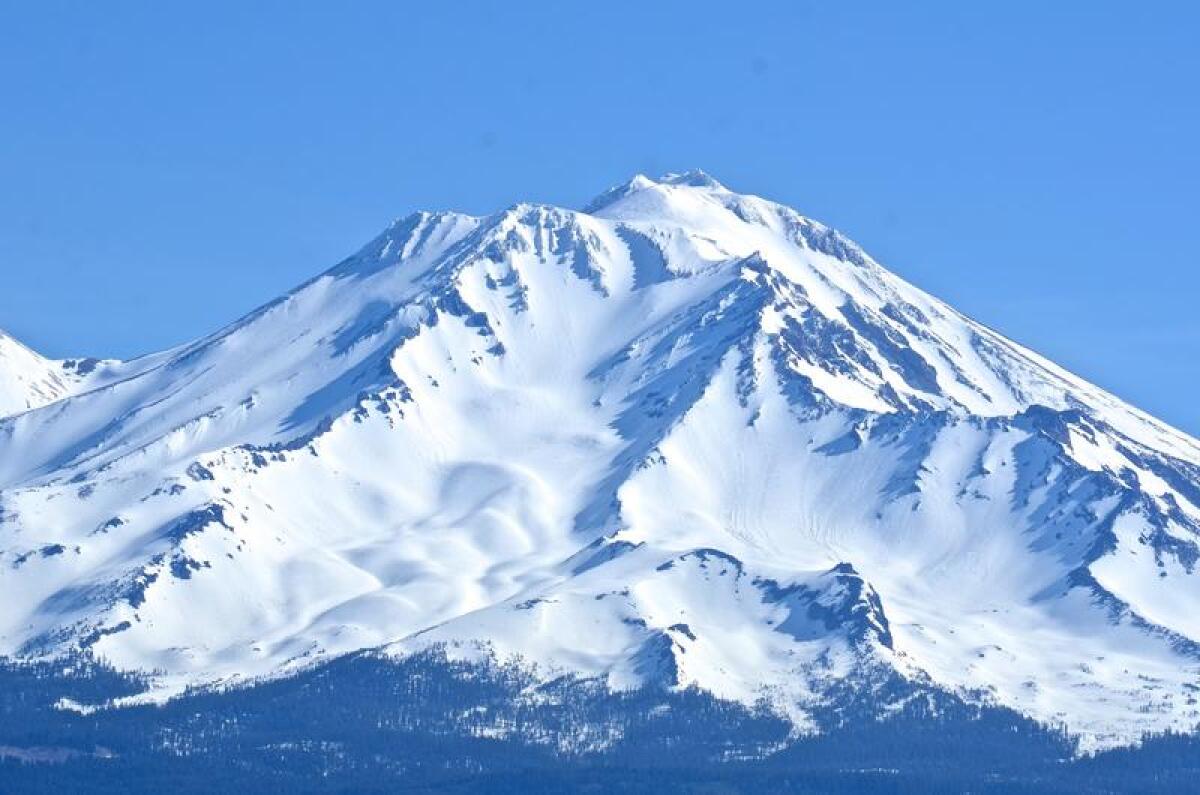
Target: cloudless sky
<point x="166" y="167"/>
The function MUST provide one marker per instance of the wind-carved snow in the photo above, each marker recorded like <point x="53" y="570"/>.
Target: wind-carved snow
<point x="686" y="437"/>
<point x="29" y="380"/>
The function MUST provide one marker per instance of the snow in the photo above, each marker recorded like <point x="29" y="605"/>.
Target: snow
<point x="29" y="380"/>
<point x="686" y="436"/>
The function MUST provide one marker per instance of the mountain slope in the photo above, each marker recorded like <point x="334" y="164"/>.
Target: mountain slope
<point x="29" y="380"/>
<point x="684" y="437"/>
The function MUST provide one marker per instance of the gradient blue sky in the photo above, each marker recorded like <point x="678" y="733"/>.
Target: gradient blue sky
<point x="165" y="167"/>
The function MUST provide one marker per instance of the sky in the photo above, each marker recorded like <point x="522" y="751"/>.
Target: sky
<point x="167" y="167"/>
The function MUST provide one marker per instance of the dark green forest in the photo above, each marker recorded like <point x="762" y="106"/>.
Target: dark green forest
<point x="364" y="723"/>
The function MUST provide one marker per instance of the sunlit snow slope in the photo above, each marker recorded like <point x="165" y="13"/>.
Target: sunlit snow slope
<point x="686" y="436"/>
<point x="28" y="380"/>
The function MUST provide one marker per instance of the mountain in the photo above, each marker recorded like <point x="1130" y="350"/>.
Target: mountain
<point x="683" y="437"/>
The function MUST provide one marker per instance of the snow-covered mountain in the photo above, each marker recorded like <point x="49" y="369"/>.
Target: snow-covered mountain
<point x="685" y="436"/>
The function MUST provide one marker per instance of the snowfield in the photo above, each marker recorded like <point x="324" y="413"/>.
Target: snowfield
<point x="686" y="436"/>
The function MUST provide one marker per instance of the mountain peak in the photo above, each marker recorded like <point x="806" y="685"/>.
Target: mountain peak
<point x="27" y="379"/>
<point x="694" y="178"/>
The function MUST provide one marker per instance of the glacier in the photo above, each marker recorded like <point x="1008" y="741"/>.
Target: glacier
<point x="684" y="437"/>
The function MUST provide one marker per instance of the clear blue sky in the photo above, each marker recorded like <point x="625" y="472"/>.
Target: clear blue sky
<point x="165" y="167"/>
